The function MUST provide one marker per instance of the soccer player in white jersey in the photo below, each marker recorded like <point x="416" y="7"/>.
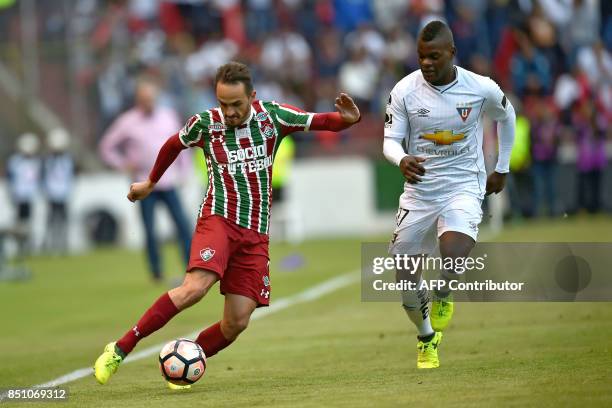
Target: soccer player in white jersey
<point x="433" y="133"/>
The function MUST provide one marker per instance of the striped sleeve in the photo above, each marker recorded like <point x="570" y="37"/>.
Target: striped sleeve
<point x="195" y="130"/>
<point x="293" y="119"/>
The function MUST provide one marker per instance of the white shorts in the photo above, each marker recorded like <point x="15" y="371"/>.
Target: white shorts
<point x="418" y="230"/>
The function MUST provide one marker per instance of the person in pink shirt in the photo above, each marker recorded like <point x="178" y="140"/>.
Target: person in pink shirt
<point x="130" y="145"/>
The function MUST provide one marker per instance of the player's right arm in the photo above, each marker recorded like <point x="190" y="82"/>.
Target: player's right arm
<point x="189" y="135"/>
<point x="397" y="128"/>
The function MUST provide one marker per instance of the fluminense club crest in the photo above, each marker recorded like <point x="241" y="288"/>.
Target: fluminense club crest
<point x="206" y="254"/>
<point x="268" y="131"/>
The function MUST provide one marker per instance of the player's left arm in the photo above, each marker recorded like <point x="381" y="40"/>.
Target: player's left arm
<point x="347" y="114"/>
<point x="499" y="108"/>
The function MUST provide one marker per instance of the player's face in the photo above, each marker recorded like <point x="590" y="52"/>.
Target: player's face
<point x="436" y="61"/>
<point x="234" y="102"/>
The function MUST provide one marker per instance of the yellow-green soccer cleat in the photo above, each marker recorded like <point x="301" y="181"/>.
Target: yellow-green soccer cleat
<point x="178" y="387"/>
<point x="441" y="313"/>
<point x="427" y="352"/>
<point x="107" y="364"/>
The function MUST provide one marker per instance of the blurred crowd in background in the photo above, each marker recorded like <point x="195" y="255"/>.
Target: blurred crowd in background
<point x="551" y="57"/>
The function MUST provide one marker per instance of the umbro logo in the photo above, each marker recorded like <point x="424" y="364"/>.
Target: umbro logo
<point x="423" y="113"/>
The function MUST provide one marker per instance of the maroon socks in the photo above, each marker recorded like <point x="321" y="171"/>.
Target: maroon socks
<point x="154" y="319"/>
<point x="212" y="340"/>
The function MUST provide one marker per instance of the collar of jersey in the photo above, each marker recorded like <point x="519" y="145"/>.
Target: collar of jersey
<point x="446" y="87"/>
<point x="246" y="122"/>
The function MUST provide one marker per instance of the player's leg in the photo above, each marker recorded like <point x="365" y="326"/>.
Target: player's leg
<point x="196" y="284"/>
<point x="457" y="233"/>
<point x="246" y="286"/>
<point x="416" y="303"/>
<point x="62" y="226"/>
<point x="415" y="235"/>
<point x="147" y="212"/>
<point x="208" y="261"/>
<point x="183" y="231"/>
<point x="236" y="315"/>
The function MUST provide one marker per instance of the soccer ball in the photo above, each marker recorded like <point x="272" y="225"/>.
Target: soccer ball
<point x="182" y="362"/>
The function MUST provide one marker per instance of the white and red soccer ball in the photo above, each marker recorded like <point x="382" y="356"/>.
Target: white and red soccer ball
<point x="182" y="362"/>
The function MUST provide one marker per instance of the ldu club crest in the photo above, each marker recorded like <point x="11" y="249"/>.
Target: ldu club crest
<point x="206" y="254"/>
<point x="464" y="109"/>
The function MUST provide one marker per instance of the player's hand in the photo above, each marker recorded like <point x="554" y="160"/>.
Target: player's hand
<point x="347" y="108"/>
<point x="412" y="168"/>
<point x="140" y="190"/>
<point x="495" y="182"/>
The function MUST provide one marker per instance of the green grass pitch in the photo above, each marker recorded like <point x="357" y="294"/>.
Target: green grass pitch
<point x="334" y="351"/>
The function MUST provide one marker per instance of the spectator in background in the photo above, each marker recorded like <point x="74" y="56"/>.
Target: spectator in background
<point x="260" y="18"/>
<point x="349" y="14"/>
<point x="545" y="133"/>
<point x="131" y="145"/>
<point x="287" y="56"/>
<point x="583" y="27"/>
<point x="23" y="170"/>
<point x="371" y="40"/>
<point x="58" y="178"/>
<point x="590" y="138"/>
<point x="531" y="74"/>
<point x="359" y="77"/>
<point x="470" y="30"/>
<point x="596" y="63"/>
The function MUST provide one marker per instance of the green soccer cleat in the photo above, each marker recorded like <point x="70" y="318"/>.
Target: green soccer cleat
<point x="178" y="387"/>
<point x="107" y="364"/>
<point x="427" y="352"/>
<point x="441" y="313"/>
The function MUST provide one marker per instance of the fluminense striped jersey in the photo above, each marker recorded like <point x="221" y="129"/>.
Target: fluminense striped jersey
<point x="239" y="159"/>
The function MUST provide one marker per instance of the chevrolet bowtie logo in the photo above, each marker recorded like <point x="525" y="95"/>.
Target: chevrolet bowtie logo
<point x="443" y="137"/>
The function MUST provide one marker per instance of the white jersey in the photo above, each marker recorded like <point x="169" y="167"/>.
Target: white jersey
<point x="444" y="126"/>
<point x="58" y="172"/>
<point x="24" y="177"/>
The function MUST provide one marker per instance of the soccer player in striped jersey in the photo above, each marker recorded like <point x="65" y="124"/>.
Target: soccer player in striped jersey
<point x="230" y="244"/>
<point x="433" y="133"/>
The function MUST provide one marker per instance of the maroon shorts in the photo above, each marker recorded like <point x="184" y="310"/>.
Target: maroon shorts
<point x="238" y="255"/>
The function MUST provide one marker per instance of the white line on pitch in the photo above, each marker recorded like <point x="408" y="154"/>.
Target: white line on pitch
<point x="307" y="295"/>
